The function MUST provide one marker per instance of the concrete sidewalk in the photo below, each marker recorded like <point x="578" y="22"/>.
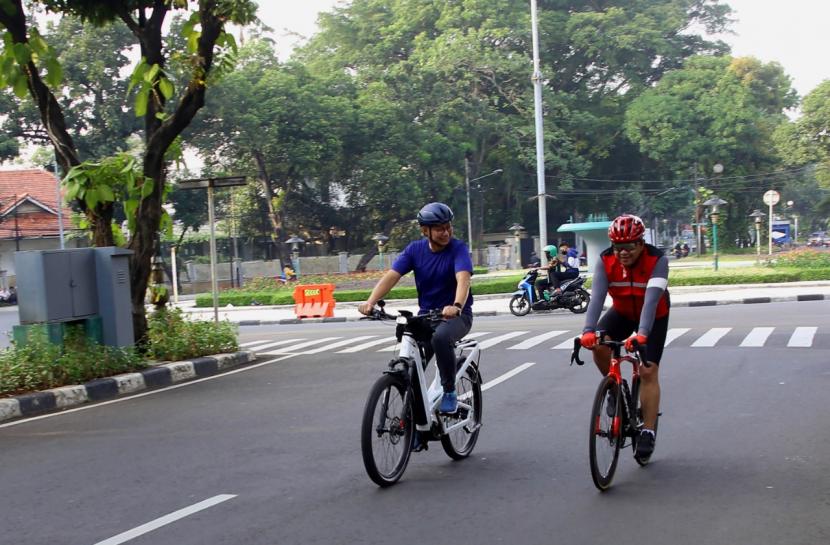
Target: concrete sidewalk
<point x="492" y="305"/>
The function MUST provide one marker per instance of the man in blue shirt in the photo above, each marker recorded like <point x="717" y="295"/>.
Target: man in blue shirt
<point x="442" y="268"/>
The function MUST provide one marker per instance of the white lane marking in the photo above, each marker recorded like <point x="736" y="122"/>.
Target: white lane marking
<point x="711" y="337"/>
<point x="507" y="375"/>
<point x="252" y="343"/>
<point x="468" y="336"/>
<point x="369" y="344"/>
<point x="802" y="337"/>
<point x="166" y="519"/>
<point x="295" y="347"/>
<point x="674" y="333"/>
<point x="476" y="334"/>
<point x="153" y="392"/>
<point x="501" y="338"/>
<point x="757" y="337"/>
<point x="276" y="343"/>
<point x="567" y="344"/>
<point x="538" y="339"/>
<point x="338" y="344"/>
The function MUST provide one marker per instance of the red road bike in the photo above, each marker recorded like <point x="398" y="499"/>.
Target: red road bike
<point x="616" y="415"/>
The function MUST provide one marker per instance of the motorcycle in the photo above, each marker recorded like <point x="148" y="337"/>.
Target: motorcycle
<point x="574" y="296"/>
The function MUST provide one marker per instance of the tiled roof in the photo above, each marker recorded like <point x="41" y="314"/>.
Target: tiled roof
<point x="32" y="188"/>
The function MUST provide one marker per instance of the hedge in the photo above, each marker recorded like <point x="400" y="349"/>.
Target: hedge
<point x="507" y="284"/>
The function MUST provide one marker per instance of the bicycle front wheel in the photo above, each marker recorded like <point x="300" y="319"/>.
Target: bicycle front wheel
<point x="458" y="443"/>
<point x="605" y="433"/>
<point x="386" y="431"/>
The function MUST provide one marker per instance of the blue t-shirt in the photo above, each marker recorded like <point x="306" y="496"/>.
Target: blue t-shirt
<point x="435" y="272"/>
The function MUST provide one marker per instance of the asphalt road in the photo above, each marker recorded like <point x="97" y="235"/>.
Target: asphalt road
<point x="274" y="448"/>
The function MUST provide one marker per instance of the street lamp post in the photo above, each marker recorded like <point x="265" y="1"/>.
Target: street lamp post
<point x="381" y="239"/>
<point x="517" y="229"/>
<point x="757" y="214"/>
<point x="295" y="242"/>
<point x="467" y="182"/>
<point x="795" y="236"/>
<point x="714" y="203"/>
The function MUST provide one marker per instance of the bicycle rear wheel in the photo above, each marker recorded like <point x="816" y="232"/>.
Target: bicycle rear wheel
<point x="638" y="410"/>
<point x="605" y="435"/>
<point x="459" y="443"/>
<point x="386" y="430"/>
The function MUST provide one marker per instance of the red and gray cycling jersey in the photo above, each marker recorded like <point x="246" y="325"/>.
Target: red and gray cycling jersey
<point x="638" y="293"/>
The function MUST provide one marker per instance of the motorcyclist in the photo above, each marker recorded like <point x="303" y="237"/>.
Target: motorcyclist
<point x="562" y="265"/>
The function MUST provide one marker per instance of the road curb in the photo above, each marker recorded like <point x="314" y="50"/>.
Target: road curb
<point x="156" y="376"/>
<point x="705" y="303"/>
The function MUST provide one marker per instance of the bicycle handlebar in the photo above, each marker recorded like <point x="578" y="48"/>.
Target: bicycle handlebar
<point x="639" y="349"/>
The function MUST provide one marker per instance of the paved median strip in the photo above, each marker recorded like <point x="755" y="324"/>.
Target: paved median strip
<point x="157" y="376"/>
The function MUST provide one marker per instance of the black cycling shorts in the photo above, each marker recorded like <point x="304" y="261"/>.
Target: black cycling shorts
<point x="619" y="328"/>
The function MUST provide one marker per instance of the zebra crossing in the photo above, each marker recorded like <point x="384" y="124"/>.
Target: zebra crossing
<point x="681" y="337"/>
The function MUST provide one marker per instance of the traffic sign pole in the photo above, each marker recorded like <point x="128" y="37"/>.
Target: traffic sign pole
<point x="771" y="198"/>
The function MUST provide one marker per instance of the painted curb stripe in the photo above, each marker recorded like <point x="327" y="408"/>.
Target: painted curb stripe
<point x="205" y="366"/>
<point x="36" y="402"/>
<point x="103" y="388"/>
<point x="157" y="377"/>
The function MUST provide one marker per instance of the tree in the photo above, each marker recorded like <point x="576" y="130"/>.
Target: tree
<point x="30" y="66"/>
<point x="806" y="142"/>
<point x="458" y="74"/>
<point x="715" y="110"/>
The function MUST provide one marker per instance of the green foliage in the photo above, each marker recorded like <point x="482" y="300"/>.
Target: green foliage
<point x="803" y="258"/>
<point x="174" y="337"/>
<point x="40" y="364"/>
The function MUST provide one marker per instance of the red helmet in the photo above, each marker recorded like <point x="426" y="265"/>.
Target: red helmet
<point x="626" y="228"/>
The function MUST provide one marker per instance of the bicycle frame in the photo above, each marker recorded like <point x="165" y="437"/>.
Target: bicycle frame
<point x="410" y="354"/>
<point x="615" y="372"/>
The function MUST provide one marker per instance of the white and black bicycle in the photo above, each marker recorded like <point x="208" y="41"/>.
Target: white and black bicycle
<point x="401" y="413"/>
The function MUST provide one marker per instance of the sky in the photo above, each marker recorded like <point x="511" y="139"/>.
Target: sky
<point x="792" y="32"/>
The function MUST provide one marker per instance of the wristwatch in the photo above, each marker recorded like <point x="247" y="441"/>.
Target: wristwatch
<point x="459" y="306"/>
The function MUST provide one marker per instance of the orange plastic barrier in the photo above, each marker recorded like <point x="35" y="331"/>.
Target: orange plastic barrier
<point x="314" y="300"/>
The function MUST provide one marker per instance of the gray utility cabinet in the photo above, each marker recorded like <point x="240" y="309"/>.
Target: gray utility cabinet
<point x="56" y="285"/>
<point x="75" y="284"/>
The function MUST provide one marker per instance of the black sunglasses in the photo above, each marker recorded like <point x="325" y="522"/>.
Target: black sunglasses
<point x="620" y="246"/>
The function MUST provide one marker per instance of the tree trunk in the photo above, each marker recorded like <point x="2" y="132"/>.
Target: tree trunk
<point x="367" y="257"/>
<point x="275" y="215"/>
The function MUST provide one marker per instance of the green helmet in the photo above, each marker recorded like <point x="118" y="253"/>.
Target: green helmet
<point x="550" y="249"/>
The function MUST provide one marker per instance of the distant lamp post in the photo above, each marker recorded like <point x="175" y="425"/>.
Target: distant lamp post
<point x="714" y="213"/>
<point x="517" y="229"/>
<point x="295" y="242"/>
<point x="467" y="181"/>
<point x="381" y="239"/>
<point x="757" y="215"/>
<point x="790" y="204"/>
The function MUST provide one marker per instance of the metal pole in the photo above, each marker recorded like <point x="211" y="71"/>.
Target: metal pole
<point x="795" y="239"/>
<point x="770" y="229"/>
<point x="58" y="200"/>
<point x="540" y="137"/>
<point x="715" y="239"/>
<point x="213" y="286"/>
<point x="758" y="240"/>
<point x="175" y="274"/>
<point x="469" y="220"/>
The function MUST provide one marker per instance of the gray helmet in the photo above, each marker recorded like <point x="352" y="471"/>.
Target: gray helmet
<point x="435" y="213"/>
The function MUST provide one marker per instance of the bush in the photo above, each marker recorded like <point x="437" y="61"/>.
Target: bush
<point x="40" y="365"/>
<point x="803" y="258"/>
<point x="172" y="337"/>
<point x="480" y="270"/>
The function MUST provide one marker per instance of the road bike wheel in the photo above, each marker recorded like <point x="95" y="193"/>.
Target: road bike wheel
<point x="638" y="410"/>
<point x="386" y="431"/>
<point x="459" y="443"/>
<point x="605" y="434"/>
<point x="582" y="298"/>
<point x="519" y="305"/>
